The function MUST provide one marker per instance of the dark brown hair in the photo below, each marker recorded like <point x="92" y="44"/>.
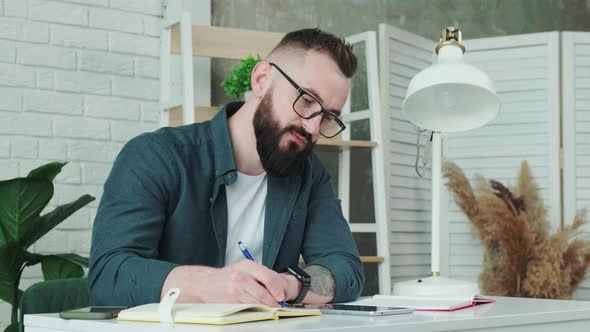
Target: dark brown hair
<point x="315" y="39"/>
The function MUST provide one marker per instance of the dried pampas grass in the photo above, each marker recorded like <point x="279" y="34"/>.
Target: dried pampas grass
<point x="520" y="258"/>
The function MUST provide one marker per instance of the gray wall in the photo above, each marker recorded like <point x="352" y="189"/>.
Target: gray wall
<point x="477" y="18"/>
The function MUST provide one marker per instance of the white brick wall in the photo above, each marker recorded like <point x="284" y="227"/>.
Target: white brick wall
<point x="15" y="8"/>
<point x="58" y="12"/>
<point x="46" y="56"/>
<point x="123" y="21"/>
<point x="23" y="30"/>
<point x="69" y="36"/>
<point x="16" y="75"/>
<point x="11" y="99"/>
<point x="42" y="101"/>
<point x="78" y="78"/>
<point x="7" y="51"/>
<point x="106" y="63"/>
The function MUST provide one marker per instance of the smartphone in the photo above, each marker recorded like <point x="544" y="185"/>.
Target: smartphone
<point x="363" y="310"/>
<point x="92" y="313"/>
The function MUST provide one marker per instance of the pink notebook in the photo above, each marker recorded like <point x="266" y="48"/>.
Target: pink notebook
<point x="425" y="303"/>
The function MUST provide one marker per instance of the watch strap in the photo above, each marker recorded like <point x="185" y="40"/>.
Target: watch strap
<point x="304" y="279"/>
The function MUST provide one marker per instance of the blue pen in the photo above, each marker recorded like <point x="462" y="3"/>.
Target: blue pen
<point x="249" y="256"/>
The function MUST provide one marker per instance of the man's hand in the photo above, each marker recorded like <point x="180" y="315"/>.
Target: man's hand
<point x="241" y="282"/>
<point x="293" y="286"/>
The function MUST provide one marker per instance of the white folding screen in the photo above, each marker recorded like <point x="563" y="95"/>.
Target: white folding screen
<point x="525" y="69"/>
<point x="576" y="133"/>
<point x="401" y="56"/>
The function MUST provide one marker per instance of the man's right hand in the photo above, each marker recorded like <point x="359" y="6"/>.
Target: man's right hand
<point x="241" y="282"/>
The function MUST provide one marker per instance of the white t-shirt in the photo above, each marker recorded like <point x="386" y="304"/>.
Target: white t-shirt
<point x="246" y="204"/>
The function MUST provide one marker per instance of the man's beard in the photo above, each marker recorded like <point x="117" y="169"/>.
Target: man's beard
<point x="275" y="160"/>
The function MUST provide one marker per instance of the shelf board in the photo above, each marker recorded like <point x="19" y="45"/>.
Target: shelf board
<point x="206" y="113"/>
<point x="338" y="144"/>
<point x="372" y="259"/>
<point x="202" y="113"/>
<point x="226" y="43"/>
<point x="364" y="259"/>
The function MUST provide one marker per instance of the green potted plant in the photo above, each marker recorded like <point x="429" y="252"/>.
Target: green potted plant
<point x="238" y="82"/>
<point x="21" y="225"/>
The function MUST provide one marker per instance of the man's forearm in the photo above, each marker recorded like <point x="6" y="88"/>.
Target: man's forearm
<point x="322" y="285"/>
<point x="322" y="282"/>
<point x="184" y="277"/>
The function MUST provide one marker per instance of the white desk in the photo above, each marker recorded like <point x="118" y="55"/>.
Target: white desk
<point x="507" y="314"/>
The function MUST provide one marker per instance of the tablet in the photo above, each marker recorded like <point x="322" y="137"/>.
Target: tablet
<point x="363" y="310"/>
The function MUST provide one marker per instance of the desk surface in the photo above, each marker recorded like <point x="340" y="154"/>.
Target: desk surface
<point x="507" y="314"/>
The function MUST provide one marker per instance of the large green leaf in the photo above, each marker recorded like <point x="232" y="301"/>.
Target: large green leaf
<point x="80" y="260"/>
<point x="12" y="259"/>
<point x="56" y="267"/>
<point x="47" y="171"/>
<point x="3" y="237"/>
<point x="21" y="202"/>
<point x="48" y="221"/>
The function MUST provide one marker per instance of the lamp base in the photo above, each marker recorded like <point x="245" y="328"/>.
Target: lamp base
<point x="435" y="286"/>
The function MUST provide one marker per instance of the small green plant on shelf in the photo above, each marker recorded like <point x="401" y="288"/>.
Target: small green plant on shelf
<point x="238" y="81"/>
<point x="22" y="225"/>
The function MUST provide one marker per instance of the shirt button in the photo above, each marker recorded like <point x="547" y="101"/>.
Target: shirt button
<point x="231" y="174"/>
<point x="211" y="199"/>
<point x="295" y="215"/>
<point x="217" y="172"/>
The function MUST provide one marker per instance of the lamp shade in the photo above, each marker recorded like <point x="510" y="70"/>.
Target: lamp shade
<point x="451" y="95"/>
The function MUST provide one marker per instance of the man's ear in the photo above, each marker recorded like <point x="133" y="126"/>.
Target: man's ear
<point x="260" y="78"/>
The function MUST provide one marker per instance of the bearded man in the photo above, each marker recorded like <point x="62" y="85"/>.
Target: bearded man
<point x="178" y="200"/>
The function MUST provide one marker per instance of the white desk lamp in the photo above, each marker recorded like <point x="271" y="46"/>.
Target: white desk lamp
<point x="448" y="96"/>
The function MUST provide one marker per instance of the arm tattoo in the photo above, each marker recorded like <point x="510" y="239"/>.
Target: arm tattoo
<point x="322" y="282"/>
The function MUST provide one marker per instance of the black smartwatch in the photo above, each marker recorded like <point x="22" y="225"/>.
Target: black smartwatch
<point x="304" y="280"/>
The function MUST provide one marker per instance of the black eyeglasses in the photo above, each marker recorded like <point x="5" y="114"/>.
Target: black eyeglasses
<point x="308" y="107"/>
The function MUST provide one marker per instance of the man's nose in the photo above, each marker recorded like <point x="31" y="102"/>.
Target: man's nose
<point x="312" y="125"/>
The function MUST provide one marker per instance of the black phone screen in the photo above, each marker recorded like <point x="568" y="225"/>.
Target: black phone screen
<point x="99" y="309"/>
<point x="360" y="307"/>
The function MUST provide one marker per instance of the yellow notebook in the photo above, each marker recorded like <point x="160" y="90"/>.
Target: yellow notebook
<point x="213" y="313"/>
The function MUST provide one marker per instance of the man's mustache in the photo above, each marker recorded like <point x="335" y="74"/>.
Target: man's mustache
<point x="300" y="131"/>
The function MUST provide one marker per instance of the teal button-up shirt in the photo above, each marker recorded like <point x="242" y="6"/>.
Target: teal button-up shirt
<point x="164" y="205"/>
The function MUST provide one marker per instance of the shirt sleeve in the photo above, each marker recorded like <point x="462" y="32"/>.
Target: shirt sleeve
<point x="124" y="269"/>
<point x="328" y="241"/>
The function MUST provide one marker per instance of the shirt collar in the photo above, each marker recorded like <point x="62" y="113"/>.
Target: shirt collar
<point x="222" y="147"/>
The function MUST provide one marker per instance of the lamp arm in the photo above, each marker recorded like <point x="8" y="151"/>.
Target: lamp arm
<point x="436" y="202"/>
<point x="426" y="152"/>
